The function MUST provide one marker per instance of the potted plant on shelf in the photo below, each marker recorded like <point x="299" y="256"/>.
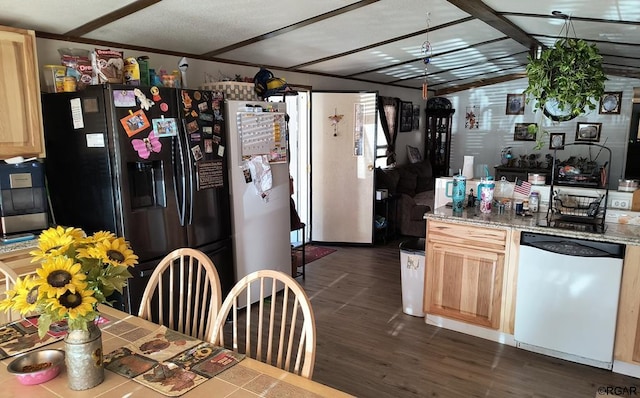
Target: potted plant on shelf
<point x="565" y="79"/>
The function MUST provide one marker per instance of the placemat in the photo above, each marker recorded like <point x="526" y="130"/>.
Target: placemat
<point x="22" y="336"/>
<point x="169" y="362"/>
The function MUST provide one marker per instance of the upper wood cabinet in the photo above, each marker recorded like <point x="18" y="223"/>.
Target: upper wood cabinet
<point x="465" y="267"/>
<point x="21" y="130"/>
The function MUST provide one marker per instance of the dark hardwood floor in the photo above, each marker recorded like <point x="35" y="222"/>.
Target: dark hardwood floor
<point x="368" y="347"/>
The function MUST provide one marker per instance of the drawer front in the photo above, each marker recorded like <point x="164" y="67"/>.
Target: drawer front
<point x="467" y="235"/>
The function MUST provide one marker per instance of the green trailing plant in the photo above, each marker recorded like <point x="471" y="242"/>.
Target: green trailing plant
<point x="570" y="74"/>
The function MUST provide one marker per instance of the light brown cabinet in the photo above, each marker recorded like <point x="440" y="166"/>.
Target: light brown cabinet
<point x="465" y="271"/>
<point x="627" y="345"/>
<point x="21" y="130"/>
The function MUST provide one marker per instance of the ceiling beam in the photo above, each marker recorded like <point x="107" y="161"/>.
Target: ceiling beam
<point x="480" y="83"/>
<point x="487" y="15"/>
<point x="110" y="17"/>
<point x="291" y="27"/>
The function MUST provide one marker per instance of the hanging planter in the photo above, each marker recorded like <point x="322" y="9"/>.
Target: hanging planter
<point x="565" y="79"/>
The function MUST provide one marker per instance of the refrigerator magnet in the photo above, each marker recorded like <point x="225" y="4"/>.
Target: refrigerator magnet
<point x="197" y="152"/>
<point x="221" y="151"/>
<point x="192" y="126"/>
<point x="197" y="96"/>
<point x="164" y="107"/>
<point x="208" y="146"/>
<point x="155" y="93"/>
<point x="135" y="122"/>
<point x="145" y="146"/>
<point x="145" y="103"/>
<point x="165" y="127"/>
<point x="186" y="99"/>
<point x="203" y="106"/>
<point x="206" y="117"/>
<point x="195" y="137"/>
<point x="124" y="98"/>
<point x="207" y="130"/>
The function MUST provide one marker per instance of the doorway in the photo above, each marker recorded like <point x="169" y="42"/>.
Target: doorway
<point x="297" y="108"/>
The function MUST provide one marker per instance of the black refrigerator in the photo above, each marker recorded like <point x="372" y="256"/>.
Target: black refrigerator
<point x="146" y="163"/>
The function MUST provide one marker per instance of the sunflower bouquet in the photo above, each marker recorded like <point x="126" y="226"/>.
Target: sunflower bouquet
<point x="77" y="273"/>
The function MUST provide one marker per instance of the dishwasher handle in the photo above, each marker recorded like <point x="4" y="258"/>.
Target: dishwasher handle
<point x="571" y="246"/>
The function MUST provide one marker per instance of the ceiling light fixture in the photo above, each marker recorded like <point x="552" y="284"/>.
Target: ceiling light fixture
<point x="426" y="59"/>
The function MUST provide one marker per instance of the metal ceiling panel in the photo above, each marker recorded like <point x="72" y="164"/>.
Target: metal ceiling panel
<point x="58" y="16"/>
<point x="375" y="23"/>
<point x="198" y="27"/>
<point x="588" y="30"/>
<point x="442" y="40"/>
<point x="624" y="10"/>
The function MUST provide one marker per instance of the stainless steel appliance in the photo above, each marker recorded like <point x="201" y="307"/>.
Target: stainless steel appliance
<point x="146" y="163"/>
<point x="23" y="199"/>
<point x="567" y="297"/>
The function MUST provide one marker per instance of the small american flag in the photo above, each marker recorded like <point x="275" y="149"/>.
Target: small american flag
<point x="522" y="187"/>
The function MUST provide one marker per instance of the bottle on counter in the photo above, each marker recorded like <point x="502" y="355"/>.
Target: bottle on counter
<point x="534" y="201"/>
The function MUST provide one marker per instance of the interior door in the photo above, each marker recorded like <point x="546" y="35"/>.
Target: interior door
<point x="343" y="131"/>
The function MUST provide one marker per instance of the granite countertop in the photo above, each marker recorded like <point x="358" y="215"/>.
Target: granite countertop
<point x="614" y="233"/>
<point x="11" y="247"/>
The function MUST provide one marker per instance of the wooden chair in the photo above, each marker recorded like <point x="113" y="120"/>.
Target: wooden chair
<point x="183" y="293"/>
<point x="8" y="279"/>
<point x="278" y="329"/>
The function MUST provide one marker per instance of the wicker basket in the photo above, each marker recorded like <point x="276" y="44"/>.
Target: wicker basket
<point x="233" y="90"/>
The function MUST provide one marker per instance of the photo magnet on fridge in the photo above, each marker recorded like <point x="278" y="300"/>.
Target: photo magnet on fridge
<point x="135" y="122"/>
<point x="124" y="98"/>
<point x="197" y="152"/>
<point x="165" y="127"/>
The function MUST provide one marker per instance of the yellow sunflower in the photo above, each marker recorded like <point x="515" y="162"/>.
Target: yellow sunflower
<point x="55" y="241"/>
<point x="99" y="237"/>
<point x="115" y="252"/>
<point x="59" y="274"/>
<point x="23" y="297"/>
<point x="73" y="304"/>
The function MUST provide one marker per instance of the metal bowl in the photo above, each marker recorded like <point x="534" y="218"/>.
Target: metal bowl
<point x="26" y="369"/>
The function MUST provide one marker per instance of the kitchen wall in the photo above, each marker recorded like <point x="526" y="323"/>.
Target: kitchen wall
<point x="495" y="129"/>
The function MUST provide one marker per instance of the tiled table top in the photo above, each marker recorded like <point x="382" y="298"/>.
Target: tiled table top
<point x="249" y="378"/>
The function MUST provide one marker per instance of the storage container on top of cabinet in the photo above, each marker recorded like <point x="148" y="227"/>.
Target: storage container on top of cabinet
<point x="21" y="132"/>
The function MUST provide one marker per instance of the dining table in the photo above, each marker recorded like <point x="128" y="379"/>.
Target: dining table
<point x="247" y="378"/>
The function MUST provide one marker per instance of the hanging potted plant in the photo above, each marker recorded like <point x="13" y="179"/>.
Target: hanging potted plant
<point x="565" y="79"/>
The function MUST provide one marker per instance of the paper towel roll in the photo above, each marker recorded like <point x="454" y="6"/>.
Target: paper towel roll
<point x="467" y="167"/>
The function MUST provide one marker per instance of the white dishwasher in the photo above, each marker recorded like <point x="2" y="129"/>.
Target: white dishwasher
<point x="567" y="297"/>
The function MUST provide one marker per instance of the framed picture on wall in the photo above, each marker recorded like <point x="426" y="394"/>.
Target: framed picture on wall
<point x="522" y="132"/>
<point x="515" y="104"/>
<point x="416" y="117"/>
<point x="610" y="103"/>
<point x="589" y="132"/>
<point x="406" y="116"/>
<point x="556" y="140"/>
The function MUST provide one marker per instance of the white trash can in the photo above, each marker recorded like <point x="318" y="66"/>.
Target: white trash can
<point x="412" y="270"/>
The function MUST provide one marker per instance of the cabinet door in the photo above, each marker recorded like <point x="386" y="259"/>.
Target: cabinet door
<point x="464" y="283"/>
<point x="20" y="110"/>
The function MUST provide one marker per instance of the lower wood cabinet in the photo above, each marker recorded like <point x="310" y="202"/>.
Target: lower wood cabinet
<point x="465" y="267"/>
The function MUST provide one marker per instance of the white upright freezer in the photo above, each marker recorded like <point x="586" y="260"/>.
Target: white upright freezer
<point x="260" y="226"/>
